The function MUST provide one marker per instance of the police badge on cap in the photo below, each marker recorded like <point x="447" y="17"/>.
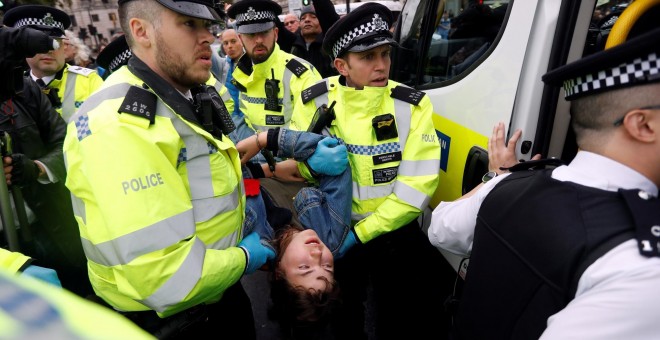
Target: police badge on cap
<point x="202" y="9"/>
<point x="44" y="18"/>
<point x="254" y="16"/>
<point x="366" y="27"/>
<point x="635" y="62"/>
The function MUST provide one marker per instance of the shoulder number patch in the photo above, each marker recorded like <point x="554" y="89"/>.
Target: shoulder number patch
<point x="81" y="70"/>
<point x="407" y="94"/>
<point x="140" y="102"/>
<point x="296" y="67"/>
<point x="314" y="91"/>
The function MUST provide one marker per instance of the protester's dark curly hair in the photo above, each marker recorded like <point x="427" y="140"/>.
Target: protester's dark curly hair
<point x="301" y="313"/>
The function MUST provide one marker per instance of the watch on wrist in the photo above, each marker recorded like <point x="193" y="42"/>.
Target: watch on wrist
<point x="488" y="176"/>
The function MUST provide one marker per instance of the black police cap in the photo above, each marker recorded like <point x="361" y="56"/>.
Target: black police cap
<point x="632" y="63"/>
<point x="201" y="9"/>
<point x="44" y="18"/>
<point x="254" y="16"/>
<point x="115" y="55"/>
<point x="362" y="29"/>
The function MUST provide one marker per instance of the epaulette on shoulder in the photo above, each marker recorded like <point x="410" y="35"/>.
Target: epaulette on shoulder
<point x="407" y="94"/>
<point x="81" y="70"/>
<point x="314" y="91"/>
<point x="296" y="67"/>
<point x="140" y="102"/>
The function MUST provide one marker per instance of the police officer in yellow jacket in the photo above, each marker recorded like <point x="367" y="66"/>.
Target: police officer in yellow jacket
<point x="394" y="156"/>
<point x="30" y="309"/>
<point x="67" y="86"/>
<point x="157" y="184"/>
<point x="268" y="78"/>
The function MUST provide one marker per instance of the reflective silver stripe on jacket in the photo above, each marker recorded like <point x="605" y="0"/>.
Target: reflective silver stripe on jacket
<point x="33" y="316"/>
<point x="69" y="98"/>
<point x="403" y="191"/>
<point x="180" y="283"/>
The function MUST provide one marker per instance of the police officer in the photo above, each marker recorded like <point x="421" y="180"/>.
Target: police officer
<point x="267" y="77"/>
<point x="571" y="252"/>
<point x="158" y="188"/>
<point x="67" y="86"/>
<point x="395" y="167"/>
<point x="114" y="56"/>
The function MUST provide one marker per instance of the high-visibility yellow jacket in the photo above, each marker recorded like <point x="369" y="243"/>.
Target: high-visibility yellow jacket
<point x="13" y="261"/>
<point x="159" y="204"/>
<point x="293" y="75"/>
<point x="394" y="178"/>
<point x="73" y="86"/>
<point x="33" y="309"/>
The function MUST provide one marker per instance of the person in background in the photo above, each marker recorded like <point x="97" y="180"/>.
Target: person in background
<point x="572" y="251"/>
<point x="395" y="170"/>
<point x="35" y="173"/>
<point x="67" y="86"/>
<point x="291" y="22"/>
<point x="444" y="26"/>
<point x="307" y="42"/>
<point x="76" y="52"/>
<point x="178" y="204"/>
<point x="114" y="56"/>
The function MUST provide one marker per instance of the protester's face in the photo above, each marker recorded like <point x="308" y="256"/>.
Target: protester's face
<point x="309" y="24"/>
<point x="368" y="68"/>
<point x="231" y="44"/>
<point x="291" y="23"/>
<point x="259" y="46"/>
<point x="183" y="50"/>
<point x="307" y="262"/>
<point x="47" y="64"/>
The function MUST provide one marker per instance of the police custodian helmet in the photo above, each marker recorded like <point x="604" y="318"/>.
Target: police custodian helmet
<point x="44" y="18"/>
<point x="201" y="9"/>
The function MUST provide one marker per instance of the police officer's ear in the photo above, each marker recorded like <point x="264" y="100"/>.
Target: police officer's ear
<point x="142" y="31"/>
<point x="643" y="125"/>
<point x="342" y="66"/>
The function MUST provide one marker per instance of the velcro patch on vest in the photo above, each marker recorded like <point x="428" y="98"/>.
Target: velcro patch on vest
<point x="385" y="175"/>
<point x="274" y="120"/>
<point x="296" y="67"/>
<point x="314" y="91"/>
<point x="81" y="70"/>
<point x="387" y="157"/>
<point x="238" y="85"/>
<point x="644" y="210"/>
<point x="407" y="94"/>
<point x="140" y="102"/>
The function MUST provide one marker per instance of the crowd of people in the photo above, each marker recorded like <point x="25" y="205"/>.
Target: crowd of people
<point x="150" y="186"/>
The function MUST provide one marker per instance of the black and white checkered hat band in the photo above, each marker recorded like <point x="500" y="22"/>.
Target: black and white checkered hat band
<point x="119" y="60"/>
<point x="377" y="24"/>
<point x="40" y="22"/>
<point x="252" y="16"/>
<point x="640" y="69"/>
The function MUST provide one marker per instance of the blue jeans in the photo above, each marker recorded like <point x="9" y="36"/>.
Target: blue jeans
<point x="326" y="209"/>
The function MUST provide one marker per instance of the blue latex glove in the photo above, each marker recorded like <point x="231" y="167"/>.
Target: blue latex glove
<point x="43" y="274"/>
<point x="350" y="241"/>
<point x="257" y="253"/>
<point x="329" y="158"/>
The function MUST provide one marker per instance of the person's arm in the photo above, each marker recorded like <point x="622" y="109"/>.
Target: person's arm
<point x="452" y="224"/>
<point x="285" y="38"/>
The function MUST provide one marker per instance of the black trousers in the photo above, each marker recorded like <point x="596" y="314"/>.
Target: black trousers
<point x="396" y="285"/>
<point x="229" y="318"/>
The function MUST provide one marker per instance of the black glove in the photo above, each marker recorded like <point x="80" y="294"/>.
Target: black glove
<point x="24" y="170"/>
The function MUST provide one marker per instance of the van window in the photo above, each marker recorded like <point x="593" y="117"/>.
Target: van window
<point x="447" y="37"/>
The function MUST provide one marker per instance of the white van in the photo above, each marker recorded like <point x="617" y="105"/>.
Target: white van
<point x="394" y="6"/>
<point x="489" y="69"/>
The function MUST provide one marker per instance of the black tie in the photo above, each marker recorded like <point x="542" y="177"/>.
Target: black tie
<point x="41" y="83"/>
